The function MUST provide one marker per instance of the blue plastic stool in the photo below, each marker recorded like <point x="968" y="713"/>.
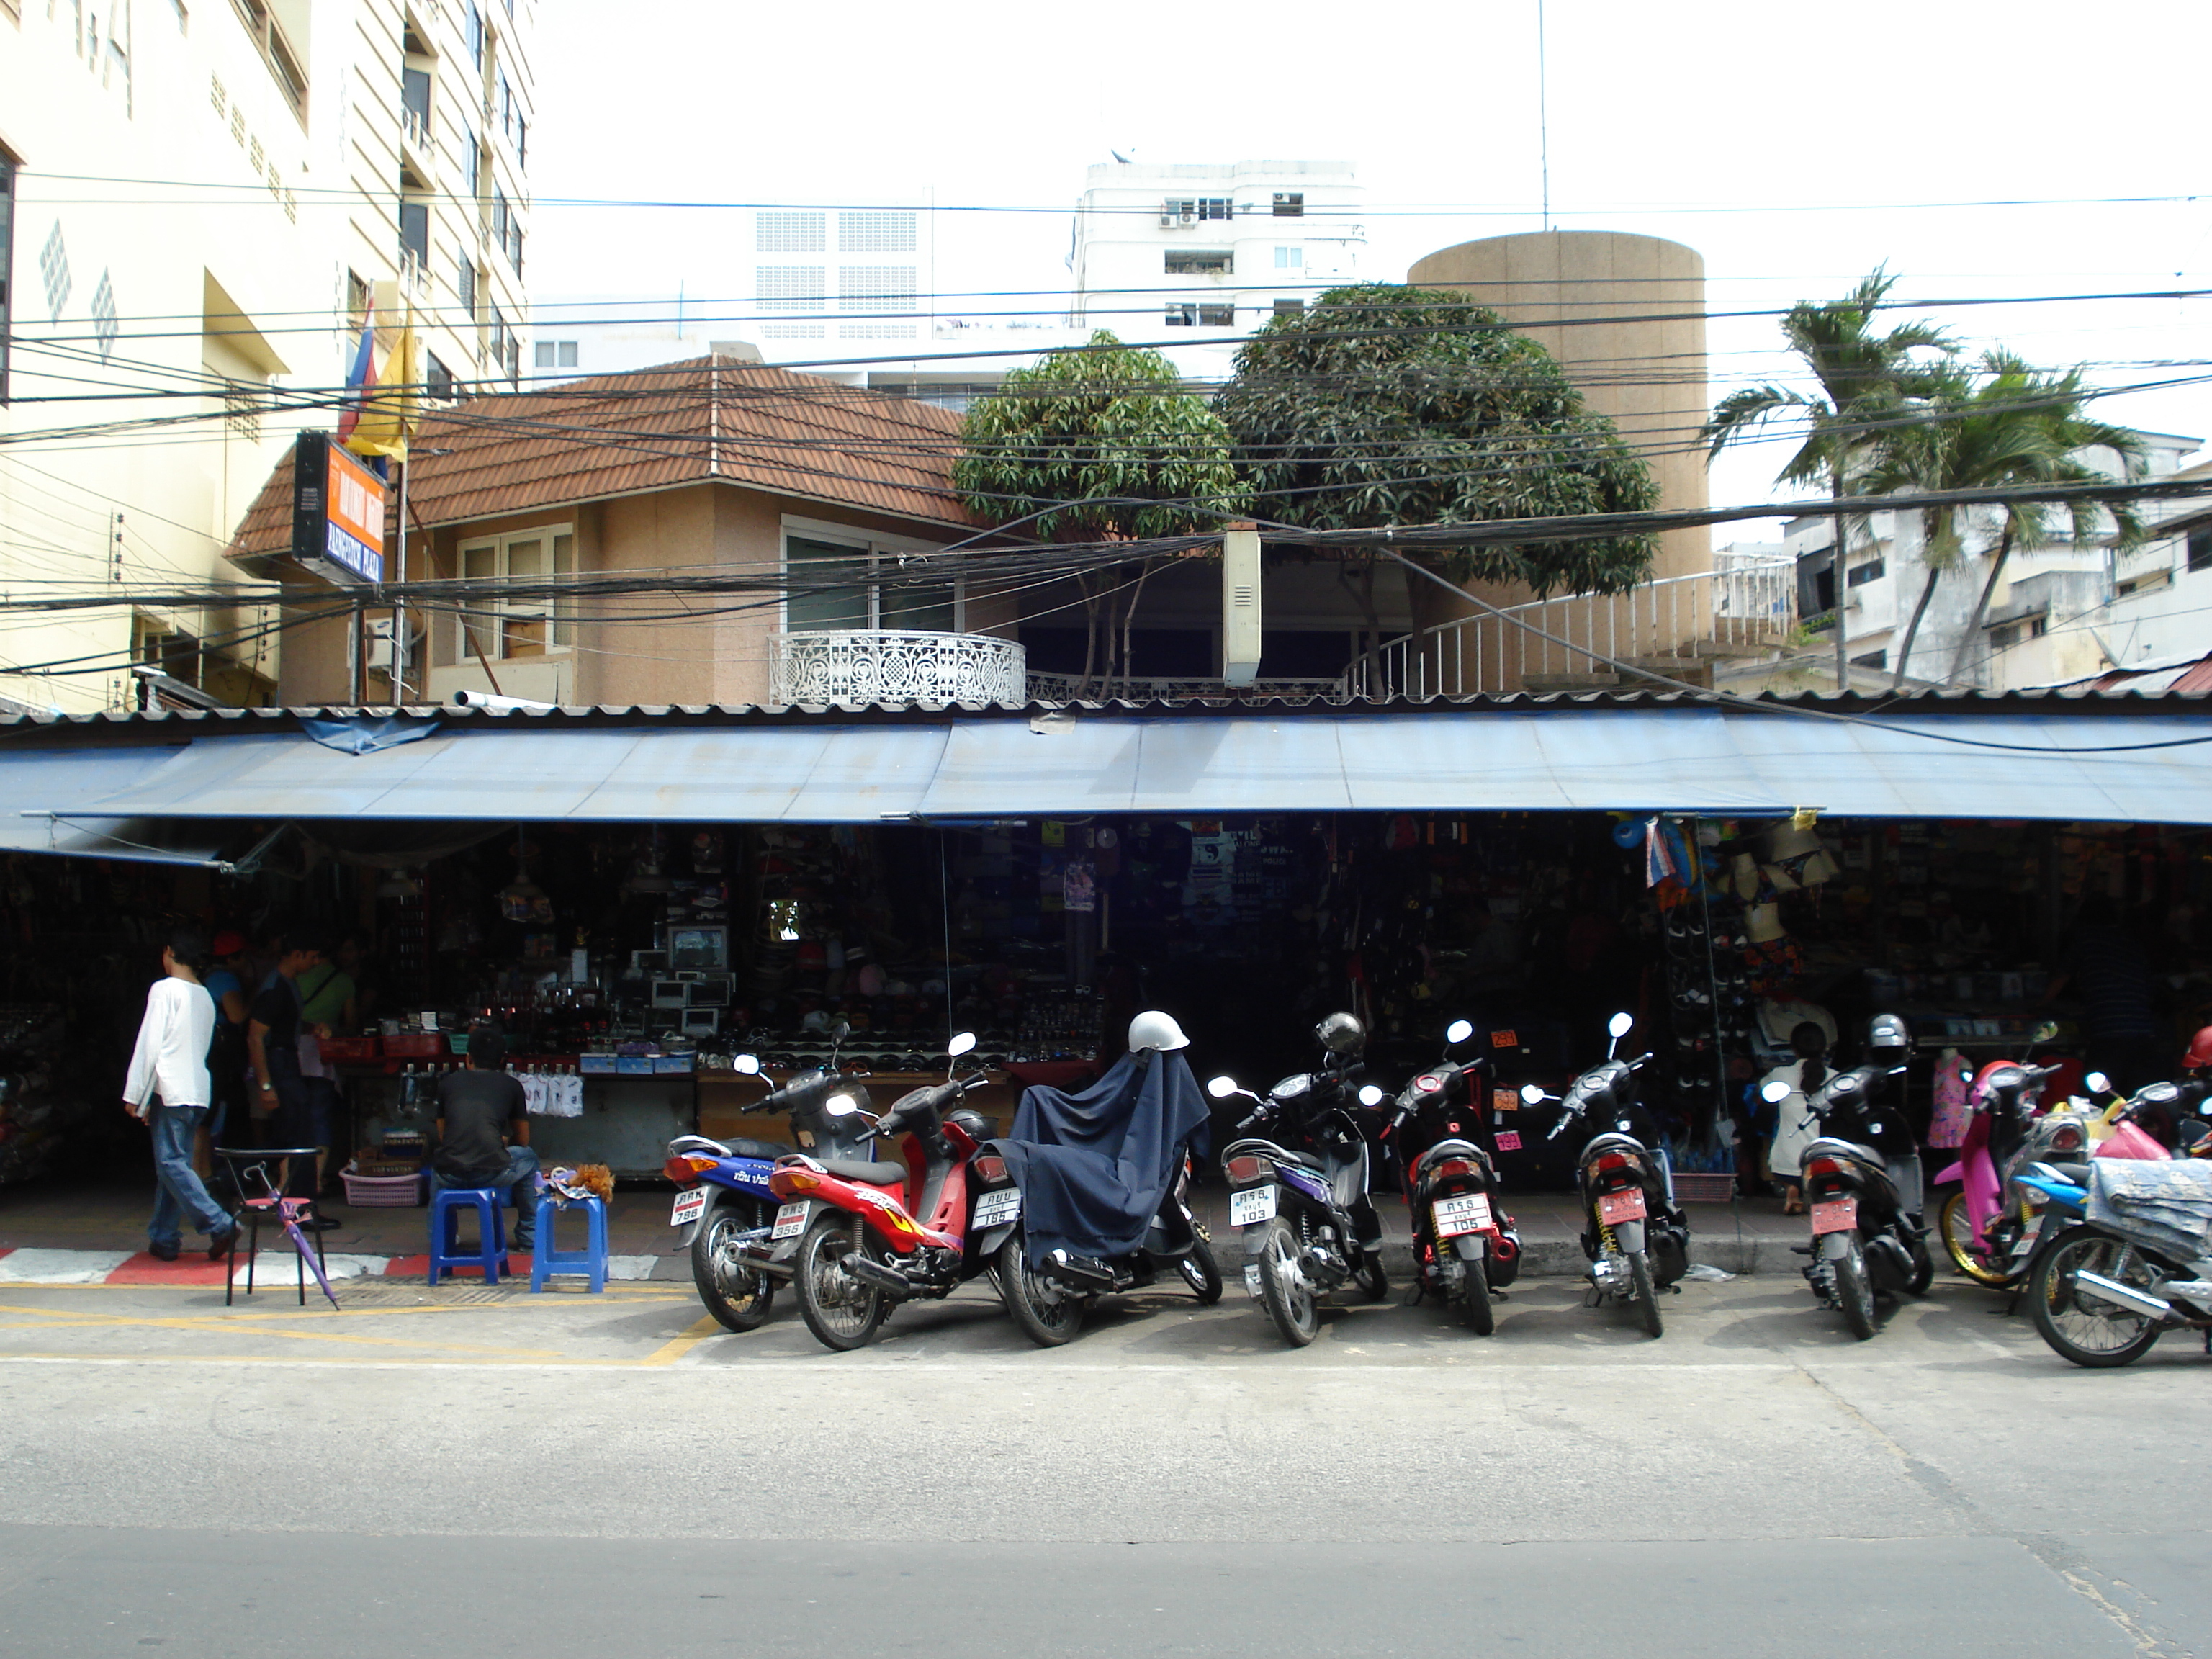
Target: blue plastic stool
<point x="591" y="1260"/>
<point x="446" y="1255"/>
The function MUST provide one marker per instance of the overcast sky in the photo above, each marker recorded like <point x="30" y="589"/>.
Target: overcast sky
<point x="1795" y="146"/>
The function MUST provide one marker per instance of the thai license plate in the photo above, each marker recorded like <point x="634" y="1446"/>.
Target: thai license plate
<point x="790" y="1221"/>
<point x="1467" y="1213"/>
<point x="1250" y="1205"/>
<point x="1614" y="1208"/>
<point x="1001" y="1205"/>
<point x="1252" y="1279"/>
<point x="690" y="1205"/>
<point x="1836" y="1215"/>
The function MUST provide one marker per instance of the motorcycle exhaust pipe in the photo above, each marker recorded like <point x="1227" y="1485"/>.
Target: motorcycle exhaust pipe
<point x="2100" y="1288"/>
<point x="870" y="1272"/>
<point x="1078" y="1272"/>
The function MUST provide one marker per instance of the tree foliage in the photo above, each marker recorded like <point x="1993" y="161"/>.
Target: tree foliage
<point x="1098" y="443"/>
<point x="1383" y="404"/>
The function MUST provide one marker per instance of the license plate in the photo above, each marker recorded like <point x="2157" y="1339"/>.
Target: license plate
<point x="1250" y="1205"/>
<point x="790" y="1221"/>
<point x="1252" y="1279"/>
<point x="1836" y="1215"/>
<point x="1467" y="1213"/>
<point x="995" y="1207"/>
<point x="690" y="1206"/>
<point x="1614" y="1208"/>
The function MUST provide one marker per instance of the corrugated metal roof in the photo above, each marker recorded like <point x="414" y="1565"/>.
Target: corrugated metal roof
<point x="687" y="423"/>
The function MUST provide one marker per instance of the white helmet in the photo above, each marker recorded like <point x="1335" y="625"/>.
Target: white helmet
<point x="1154" y="1029"/>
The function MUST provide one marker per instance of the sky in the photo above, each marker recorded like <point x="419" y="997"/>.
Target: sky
<point x="1796" y="146"/>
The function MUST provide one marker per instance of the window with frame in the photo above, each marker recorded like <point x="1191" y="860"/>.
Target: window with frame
<point x="1860" y="574"/>
<point x="500" y="628"/>
<point x="465" y="287"/>
<point x="2200" y="550"/>
<point x="437" y="378"/>
<point x="1217" y="316"/>
<point x="1199" y="262"/>
<point x="860" y="587"/>
<point x="557" y="354"/>
<point x="1180" y="316"/>
<point x="1289" y="307"/>
<point x="1290" y="258"/>
<point x="415" y="231"/>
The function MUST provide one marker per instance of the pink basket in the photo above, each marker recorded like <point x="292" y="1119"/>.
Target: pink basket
<point x="1703" y="1187"/>
<point x="384" y="1192"/>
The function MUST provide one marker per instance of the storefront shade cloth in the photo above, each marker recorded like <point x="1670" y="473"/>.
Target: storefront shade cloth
<point x="1688" y="759"/>
<point x="47" y="791"/>
<point x="1093" y="1166"/>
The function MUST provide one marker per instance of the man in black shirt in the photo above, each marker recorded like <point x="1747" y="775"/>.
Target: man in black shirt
<point x="272" y="1047"/>
<point x="483" y="1132"/>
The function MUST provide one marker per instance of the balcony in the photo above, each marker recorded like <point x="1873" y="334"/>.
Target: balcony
<point x="849" y="670"/>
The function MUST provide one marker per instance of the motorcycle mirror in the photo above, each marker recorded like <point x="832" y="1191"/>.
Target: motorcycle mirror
<point x="1458" y="1032"/>
<point x="1531" y="1095"/>
<point x="960" y="1045"/>
<point x="1221" y="1087"/>
<point x="2098" y="1082"/>
<point x="1620" y="1025"/>
<point x="1774" y="1091"/>
<point x="2046" y="1031"/>
<point x="749" y="1063"/>
<point x="841" y="1031"/>
<point x="1372" y="1095"/>
<point x="840" y="1106"/>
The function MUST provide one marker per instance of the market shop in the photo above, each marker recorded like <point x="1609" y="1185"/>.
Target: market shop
<point x="638" y="897"/>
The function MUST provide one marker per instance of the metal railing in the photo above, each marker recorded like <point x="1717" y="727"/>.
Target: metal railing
<point x="1104" y="687"/>
<point x="855" y="668"/>
<point x="1663" y="625"/>
<point x="414" y="128"/>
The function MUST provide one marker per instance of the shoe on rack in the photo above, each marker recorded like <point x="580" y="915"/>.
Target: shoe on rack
<point x="222" y="1243"/>
<point x="164" y="1252"/>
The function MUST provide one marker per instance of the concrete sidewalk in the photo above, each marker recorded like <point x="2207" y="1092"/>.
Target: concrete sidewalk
<point x="80" y="1232"/>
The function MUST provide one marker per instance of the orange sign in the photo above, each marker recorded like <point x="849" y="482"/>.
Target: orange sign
<point x="338" y="513"/>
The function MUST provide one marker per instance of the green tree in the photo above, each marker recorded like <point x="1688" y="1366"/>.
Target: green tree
<point x="1383" y="404"/>
<point x="2003" y="426"/>
<point x="1094" y="444"/>
<point x="1865" y="380"/>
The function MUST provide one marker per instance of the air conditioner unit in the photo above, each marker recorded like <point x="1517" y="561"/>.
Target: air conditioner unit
<point x="1168" y="221"/>
<point x="1186" y="219"/>
<point x="380" y="645"/>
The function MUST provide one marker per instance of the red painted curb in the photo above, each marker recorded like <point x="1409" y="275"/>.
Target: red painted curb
<point x="191" y="1268"/>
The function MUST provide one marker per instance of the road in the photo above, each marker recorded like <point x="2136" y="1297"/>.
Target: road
<point x="490" y="1473"/>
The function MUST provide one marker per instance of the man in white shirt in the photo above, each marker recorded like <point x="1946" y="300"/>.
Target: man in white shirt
<point x="171" y="1061"/>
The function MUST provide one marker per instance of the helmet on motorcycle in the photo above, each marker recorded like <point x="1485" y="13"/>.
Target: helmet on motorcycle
<point x="1342" y="1033"/>
<point x="1887" y="1032"/>
<point x="2200" y="1049"/>
<point x="1154" y="1029"/>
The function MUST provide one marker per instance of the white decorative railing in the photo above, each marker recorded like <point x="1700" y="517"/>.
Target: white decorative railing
<point x="850" y="668"/>
<point x="1663" y="625"/>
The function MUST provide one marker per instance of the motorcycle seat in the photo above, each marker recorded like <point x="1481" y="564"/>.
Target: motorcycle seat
<point x="770" y="1150"/>
<point x="1303" y="1160"/>
<point x="874" y="1175"/>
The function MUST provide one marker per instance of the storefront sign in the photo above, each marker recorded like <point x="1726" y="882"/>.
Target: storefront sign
<point x="338" y="513"/>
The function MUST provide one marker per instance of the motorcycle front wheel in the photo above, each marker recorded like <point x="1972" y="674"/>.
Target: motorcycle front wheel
<point x="1855" y="1292"/>
<point x="1647" y="1294"/>
<point x="1201" y="1271"/>
<point x="1049" y="1315"/>
<point x="841" y="1311"/>
<point x="1288" y="1293"/>
<point x="2082" y="1329"/>
<point x="738" y="1296"/>
<point x="1957" y="1227"/>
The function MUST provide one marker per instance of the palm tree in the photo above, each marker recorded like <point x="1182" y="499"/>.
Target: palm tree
<point x="1864" y="380"/>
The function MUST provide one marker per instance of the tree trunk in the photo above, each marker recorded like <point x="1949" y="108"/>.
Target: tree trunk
<point x="1129" y="626"/>
<point x="1090" y="637"/>
<point x="1981" y="607"/>
<point x="1913" y="630"/>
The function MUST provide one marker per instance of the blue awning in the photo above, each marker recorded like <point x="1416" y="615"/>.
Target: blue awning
<point x="1685" y="759"/>
<point x="45" y="792"/>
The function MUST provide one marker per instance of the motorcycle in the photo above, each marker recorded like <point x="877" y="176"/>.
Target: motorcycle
<point x="1465" y="1248"/>
<point x="1863" y="1188"/>
<point x="1636" y="1239"/>
<point x="1308" y="1222"/>
<point x="1981" y="1223"/>
<point x="862" y="1250"/>
<point x="2104" y="1290"/>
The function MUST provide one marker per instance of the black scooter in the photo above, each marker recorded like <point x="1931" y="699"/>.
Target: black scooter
<point x="1051" y="1300"/>
<point x="1637" y="1240"/>
<point x="1465" y="1248"/>
<point x="1308" y="1222"/>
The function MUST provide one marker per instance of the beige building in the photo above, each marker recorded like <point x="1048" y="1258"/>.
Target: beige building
<point x="202" y="205"/>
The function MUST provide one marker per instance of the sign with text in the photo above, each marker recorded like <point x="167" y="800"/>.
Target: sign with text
<point x="338" y="513"/>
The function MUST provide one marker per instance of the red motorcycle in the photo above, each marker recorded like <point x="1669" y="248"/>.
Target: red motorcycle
<point x="873" y="1234"/>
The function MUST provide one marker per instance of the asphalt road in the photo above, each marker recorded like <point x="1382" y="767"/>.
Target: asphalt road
<point x="452" y="1471"/>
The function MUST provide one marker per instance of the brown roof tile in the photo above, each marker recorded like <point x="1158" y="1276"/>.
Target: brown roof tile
<point x="687" y="423"/>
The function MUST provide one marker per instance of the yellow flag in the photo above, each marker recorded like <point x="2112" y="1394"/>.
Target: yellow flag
<point x="388" y="418"/>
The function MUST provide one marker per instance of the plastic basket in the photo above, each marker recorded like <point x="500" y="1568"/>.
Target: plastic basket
<point x="1703" y="1187"/>
<point x="384" y="1192"/>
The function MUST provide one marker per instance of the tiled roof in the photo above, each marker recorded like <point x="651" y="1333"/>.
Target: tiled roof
<point x="687" y="423"/>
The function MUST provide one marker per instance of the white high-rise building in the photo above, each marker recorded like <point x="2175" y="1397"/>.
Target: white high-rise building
<point x="200" y="205"/>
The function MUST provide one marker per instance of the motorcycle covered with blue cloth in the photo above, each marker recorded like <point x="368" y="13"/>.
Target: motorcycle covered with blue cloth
<point x="1104" y="1177"/>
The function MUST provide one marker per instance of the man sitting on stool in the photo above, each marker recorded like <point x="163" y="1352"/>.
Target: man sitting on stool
<point x="483" y="1132"/>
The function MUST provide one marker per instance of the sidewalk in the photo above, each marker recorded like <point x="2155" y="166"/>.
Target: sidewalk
<point x="85" y="1233"/>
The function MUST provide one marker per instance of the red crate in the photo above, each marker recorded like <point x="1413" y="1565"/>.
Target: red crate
<point x="415" y="1045"/>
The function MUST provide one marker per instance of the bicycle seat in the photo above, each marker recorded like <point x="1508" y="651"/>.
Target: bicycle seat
<point x="874" y="1174"/>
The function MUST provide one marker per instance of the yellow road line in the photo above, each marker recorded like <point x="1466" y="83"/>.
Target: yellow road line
<point x="71" y="1319"/>
<point x="669" y="1353"/>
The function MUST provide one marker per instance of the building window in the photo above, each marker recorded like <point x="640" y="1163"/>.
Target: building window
<point x="1196" y="262"/>
<point x="1290" y="258"/>
<point x="877" y="233"/>
<point x="2144" y="583"/>
<point x="276" y="51"/>
<point x="464" y="288"/>
<point x="557" y="354"/>
<point x="790" y="288"/>
<point x="2019" y="633"/>
<point x="876" y="287"/>
<point x="472" y="28"/>
<point x="1290" y="204"/>
<point x="472" y="163"/>
<point x="506" y="230"/>
<point x="790" y="233"/>
<point x="1184" y="209"/>
<point x="437" y="378"/>
<point x="2200" y="550"/>
<point x="414" y="234"/>
<point x="1217" y="316"/>
<point x="529" y="624"/>
<point x="1180" y="316"/>
<point x="1215" y="207"/>
<point x="1872" y="659"/>
<point x="1860" y="574"/>
<point x="854" y="587"/>
<point x="1289" y="307"/>
<point x="415" y="106"/>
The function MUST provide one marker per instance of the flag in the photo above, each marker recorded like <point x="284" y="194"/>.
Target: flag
<point x="360" y="377"/>
<point x="387" y="417"/>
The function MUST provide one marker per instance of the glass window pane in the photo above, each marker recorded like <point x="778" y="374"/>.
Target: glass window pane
<point x="920" y="608"/>
<point x="526" y="558"/>
<point x="827" y="586"/>
<point x="564" y="608"/>
<point x="523" y="635"/>
<point x="479" y="563"/>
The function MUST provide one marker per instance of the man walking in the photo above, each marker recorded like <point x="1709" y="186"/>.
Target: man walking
<point x="484" y="1132"/>
<point x="272" y="1047"/>
<point x="170" y="1062"/>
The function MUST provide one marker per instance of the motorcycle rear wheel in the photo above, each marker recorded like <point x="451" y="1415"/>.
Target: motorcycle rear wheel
<point x="1291" y="1302"/>
<point x="1201" y="1273"/>
<point x="741" y="1299"/>
<point x="1369" y="1279"/>
<point x="1957" y="1228"/>
<point x="2093" y="1333"/>
<point x="1048" y="1316"/>
<point x="1855" y="1292"/>
<point x="1924" y="1269"/>
<point x="841" y="1311"/>
<point x="1474" y="1309"/>
<point x="1647" y="1294"/>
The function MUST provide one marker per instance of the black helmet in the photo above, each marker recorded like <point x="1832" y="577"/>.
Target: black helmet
<point x="1342" y="1033"/>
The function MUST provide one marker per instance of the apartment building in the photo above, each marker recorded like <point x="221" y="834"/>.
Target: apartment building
<point x="201" y="203"/>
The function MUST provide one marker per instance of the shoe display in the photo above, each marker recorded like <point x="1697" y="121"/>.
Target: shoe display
<point x="162" y="1252"/>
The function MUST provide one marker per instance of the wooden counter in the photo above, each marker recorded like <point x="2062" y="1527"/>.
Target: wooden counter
<point x="725" y="1099"/>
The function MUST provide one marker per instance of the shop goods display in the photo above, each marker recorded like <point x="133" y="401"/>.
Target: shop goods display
<point x="1300" y="1201"/>
<point x="1637" y="1240"/>
<point x="33" y="1123"/>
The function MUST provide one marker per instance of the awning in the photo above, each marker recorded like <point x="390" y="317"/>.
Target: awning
<point x="1675" y="758"/>
<point x="44" y="793"/>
